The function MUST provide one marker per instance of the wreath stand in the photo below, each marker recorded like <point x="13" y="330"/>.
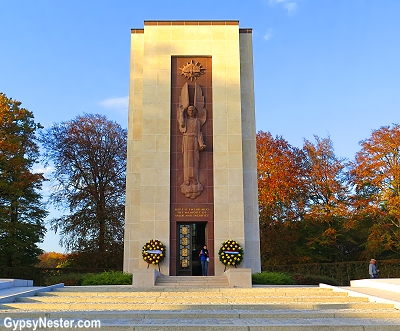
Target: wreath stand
<point x="158" y="264"/>
<point x="226" y="265"/>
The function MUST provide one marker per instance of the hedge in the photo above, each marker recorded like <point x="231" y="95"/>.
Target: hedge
<point x="342" y="272"/>
<point x="40" y="275"/>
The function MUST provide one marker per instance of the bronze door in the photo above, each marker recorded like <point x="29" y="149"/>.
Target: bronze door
<point x="191" y="240"/>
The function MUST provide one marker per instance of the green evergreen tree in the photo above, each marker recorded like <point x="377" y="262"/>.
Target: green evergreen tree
<point x="22" y="213"/>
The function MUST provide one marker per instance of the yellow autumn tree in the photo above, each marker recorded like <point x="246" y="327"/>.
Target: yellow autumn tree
<point x="52" y="260"/>
<point x="376" y="176"/>
<point x="327" y="210"/>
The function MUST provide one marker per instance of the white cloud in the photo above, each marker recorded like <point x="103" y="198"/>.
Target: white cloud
<point x="46" y="171"/>
<point x="269" y="34"/>
<point x="115" y="103"/>
<point x="291" y="7"/>
<point x="42" y="169"/>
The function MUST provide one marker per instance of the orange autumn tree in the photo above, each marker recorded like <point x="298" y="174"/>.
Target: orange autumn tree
<point x="326" y="227"/>
<point x="52" y="260"/>
<point x="376" y="176"/>
<point x="280" y="198"/>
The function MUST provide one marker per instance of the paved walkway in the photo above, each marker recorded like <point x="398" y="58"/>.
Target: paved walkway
<point x="374" y="294"/>
<point x="10" y="289"/>
<point x="376" y="290"/>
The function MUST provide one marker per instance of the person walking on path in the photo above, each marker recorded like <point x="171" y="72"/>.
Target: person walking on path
<point x="373" y="272"/>
<point x="204" y="259"/>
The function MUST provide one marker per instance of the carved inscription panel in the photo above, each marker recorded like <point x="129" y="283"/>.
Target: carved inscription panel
<point x="191" y="212"/>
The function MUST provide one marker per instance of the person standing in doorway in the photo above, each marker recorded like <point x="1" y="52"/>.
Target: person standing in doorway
<point x="373" y="272"/>
<point x="204" y="259"/>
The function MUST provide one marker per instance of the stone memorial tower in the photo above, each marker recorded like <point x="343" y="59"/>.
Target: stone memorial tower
<point x="192" y="169"/>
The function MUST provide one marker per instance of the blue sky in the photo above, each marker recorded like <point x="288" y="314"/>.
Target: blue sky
<point x="322" y="67"/>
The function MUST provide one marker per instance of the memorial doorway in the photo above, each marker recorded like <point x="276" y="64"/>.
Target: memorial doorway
<point x="192" y="237"/>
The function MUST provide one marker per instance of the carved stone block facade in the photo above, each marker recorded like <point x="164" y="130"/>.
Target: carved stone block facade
<point x="191" y="174"/>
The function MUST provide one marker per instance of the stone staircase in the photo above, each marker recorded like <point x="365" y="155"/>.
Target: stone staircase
<point x="192" y="281"/>
<point x="180" y="308"/>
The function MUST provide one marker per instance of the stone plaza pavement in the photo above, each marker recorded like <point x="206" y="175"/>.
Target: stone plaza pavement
<point x="366" y="305"/>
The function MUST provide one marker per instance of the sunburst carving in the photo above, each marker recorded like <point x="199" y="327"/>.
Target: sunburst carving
<point x="192" y="70"/>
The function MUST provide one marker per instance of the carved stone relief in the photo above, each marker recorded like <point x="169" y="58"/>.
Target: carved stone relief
<point x="190" y="120"/>
<point x="192" y="70"/>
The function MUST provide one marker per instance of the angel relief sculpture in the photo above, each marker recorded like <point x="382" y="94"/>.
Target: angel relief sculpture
<point x="190" y="119"/>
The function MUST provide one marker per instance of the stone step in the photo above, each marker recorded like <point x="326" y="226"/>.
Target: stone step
<point x="118" y="290"/>
<point x="216" y="313"/>
<point x="192" y="285"/>
<point x="189" y="296"/>
<point x="244" y="325"/>
<point x="193" y="299"/>
<point x="193" y="278"/>
<point x="155" y="322"/>
<point x="193" y="281"/>
<point x="78" y="306"/>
